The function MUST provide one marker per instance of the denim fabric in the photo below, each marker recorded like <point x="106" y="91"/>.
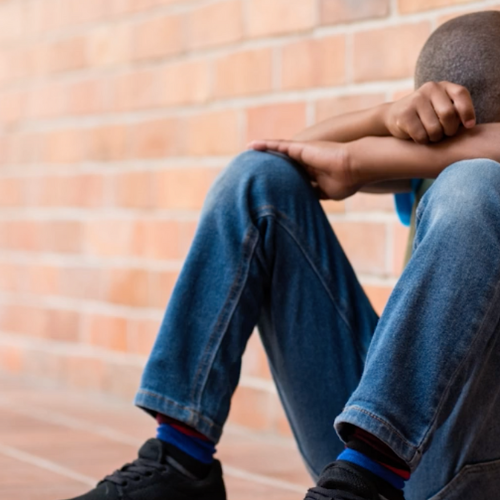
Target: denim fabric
<point x="425" y="378"/>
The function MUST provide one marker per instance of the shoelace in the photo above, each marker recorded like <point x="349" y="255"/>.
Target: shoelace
<point x="135" y="471"/>
<point x="319" y="493"/>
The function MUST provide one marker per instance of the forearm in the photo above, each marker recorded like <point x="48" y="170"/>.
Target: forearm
<point x="378" y="159"/>
<point x="348" y="127"/>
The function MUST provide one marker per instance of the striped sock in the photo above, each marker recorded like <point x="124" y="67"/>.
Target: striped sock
<point x="379" y="452"/>
<point x="366" y="451"/>
<point x="191" y="449"/>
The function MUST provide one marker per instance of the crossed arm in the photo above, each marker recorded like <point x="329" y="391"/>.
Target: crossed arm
<point x="381" y="149"/>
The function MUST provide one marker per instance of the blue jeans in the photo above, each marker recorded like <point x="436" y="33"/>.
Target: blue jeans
<point x="424" y="378"/>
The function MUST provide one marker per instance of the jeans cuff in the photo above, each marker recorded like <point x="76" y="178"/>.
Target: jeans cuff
<point x="153" y="403"/>
<point x="381" y="429"/>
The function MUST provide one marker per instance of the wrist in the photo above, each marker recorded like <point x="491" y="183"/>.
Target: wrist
<point x="382" y="116"/>
<point x="351" y="151"/>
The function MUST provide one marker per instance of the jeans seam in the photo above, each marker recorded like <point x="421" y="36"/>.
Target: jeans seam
<point x="467" y="355"/>
<point x="277" y="215"/>
<point x="225" y="316"/>
<point x="386" y="424"/>
<point x="193" y="411"/>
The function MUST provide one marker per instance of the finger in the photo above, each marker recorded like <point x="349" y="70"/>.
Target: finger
<point x="462" y="101"/>
<point x="293" y="149"/>
<point x="446" y="111"/>
<point x="272" y="145"/>
<point x="415" y="129"/>
<point x="430" y="121"/>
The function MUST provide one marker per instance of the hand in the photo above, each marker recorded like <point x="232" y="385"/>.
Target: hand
<point x="326" y="163"/>
<point x="430" y="113"/>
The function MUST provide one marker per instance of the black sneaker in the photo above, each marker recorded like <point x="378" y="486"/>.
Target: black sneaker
<point x="346" y="481"/>
<point x="153" y="477"/>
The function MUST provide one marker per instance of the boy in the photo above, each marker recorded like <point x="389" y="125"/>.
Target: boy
<point x="416" y="391"/>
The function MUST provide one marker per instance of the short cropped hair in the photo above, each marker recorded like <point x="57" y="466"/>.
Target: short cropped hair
<point x="466" y="51"/>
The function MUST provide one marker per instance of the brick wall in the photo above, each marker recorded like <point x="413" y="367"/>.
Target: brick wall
<point x="115" y="117"/>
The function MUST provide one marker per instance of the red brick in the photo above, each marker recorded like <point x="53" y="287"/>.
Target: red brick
<point x="408" y="6"/>
<point x="134" y="189"/>
<point x="108" y="237"/>
<point x="215" y="133"/>
<point x="42" y="279"/>
<point x="364" y="243"/>
<point x="64" y="146"/>
<point x="186" y="83"/>
<point x="161" y="285"/>
<point x="129" y="287"/>
<point x="47" y="101"/>
<point x="158" y="239"/>
<point x="252" y="408"/>
<point x="121" y="380"/>
<point x="13" y="107"/>
<point x="64" y="236"/>
<point x="21" y="235"/>
<point x="314" y="63"/>
<point x="107" y="143"/>
<point x="47" y="15"/>
<point x="127" y="6"/>
<point x="67" y="55"/>
<point x="11" y="22"/>
<point x="241" y="73"/>
<point x="388" y="53"/>
<point x="27" y="148"/>
<point x="282" y="425"/>
<point x="108" y="332"/>
<point x="11" y="192"/>
<point x="345" y="11"/>
<point x="50" y="324"/>
<point x="400" y="245"/>
<point x="90" y="10"/>
<point x="278" y="121"/>
<point x="367" y="202"/>
<point x="83" y="373"/>
<point x="11" y="277"/>
<point x="86" y="190"/>
<point x="272" y="17"/>
<point x="23" y="320"/>
<point x="378" y="295"/>
<point x="141" y="335"/>
<point x="81" y="283"/>
<point x="334" y="106"/>
<point x="137" y="90"/>
<point x="156" y="139"/>
<point x="216" y="23"/>
<point x="62" y="325"/>
<point x="12" y="359"/>
<point x="182" y="189"/>
<point x="85" y="97"/>
<point x="158" y="37"/>
<point x="109" y="45"/>
<point x="255" y="363"/>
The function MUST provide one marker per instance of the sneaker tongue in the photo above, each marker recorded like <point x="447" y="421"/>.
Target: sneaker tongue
<point x="153" y="449"/>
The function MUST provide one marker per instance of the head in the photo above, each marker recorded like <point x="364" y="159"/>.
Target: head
<point x="466" y="51"/>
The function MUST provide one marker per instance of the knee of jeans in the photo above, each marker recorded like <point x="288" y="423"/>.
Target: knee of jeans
<point x="259" y="174"/>
<point x="465" y="192"/>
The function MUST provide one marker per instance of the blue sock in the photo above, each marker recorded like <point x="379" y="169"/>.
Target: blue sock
<point x="382" y="472"/>
<point x="199" y="448"/>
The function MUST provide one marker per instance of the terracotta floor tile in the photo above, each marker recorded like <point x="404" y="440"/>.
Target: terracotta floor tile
<point x="92" y="437"/>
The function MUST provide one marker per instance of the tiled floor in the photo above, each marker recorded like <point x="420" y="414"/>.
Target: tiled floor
<point x="55" y="444"/>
